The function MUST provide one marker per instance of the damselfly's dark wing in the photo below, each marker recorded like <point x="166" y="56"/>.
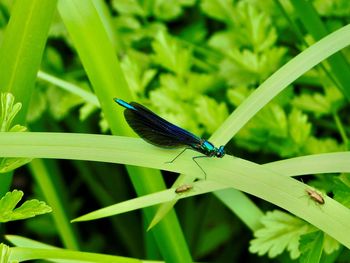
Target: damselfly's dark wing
<point x="157" y="130"/>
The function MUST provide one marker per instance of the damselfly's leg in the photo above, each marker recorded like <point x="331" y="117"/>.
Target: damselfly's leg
<point x="193" y="158"/>
<point x="200" y="156"/>
<point x="187" y="148"/>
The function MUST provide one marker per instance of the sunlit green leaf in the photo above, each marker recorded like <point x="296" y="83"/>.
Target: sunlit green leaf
<point x="321" y="145"/>
<point x="332" y="8"/>
<point x="28" y="209"/>
<point x="170" y="55"/>
<point x="128" y="7"/>
<point x="210" y="113"/>
<point x="342" y="189"/>
<point x="219" y="9"/>
<point x="315" y="103"/>
<point x="311" y="245"/>
<point x="281" y="232"/>
<point x="330" y="245"/>
<point x="299" y="127"/>
<point x="5" y="252"/>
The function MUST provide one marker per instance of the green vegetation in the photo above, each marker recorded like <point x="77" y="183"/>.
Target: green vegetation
<point x="267" y="79"/>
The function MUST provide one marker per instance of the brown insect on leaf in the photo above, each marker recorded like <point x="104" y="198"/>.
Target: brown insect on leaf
<point x="314" y="195"/>
<point x="183" y="188"/>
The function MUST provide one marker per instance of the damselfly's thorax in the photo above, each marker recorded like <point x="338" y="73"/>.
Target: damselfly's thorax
<point x="209" y="149"/>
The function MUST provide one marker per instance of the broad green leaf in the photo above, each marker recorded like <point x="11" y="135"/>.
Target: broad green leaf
<point x="331" y="8"/>
<point x="202" y="83"/>
<point x="210" y="113"/>
<point x="168" y="10"/>
<point x="330" y="245"/>
<point x="170" y="55"/>
<point x="250" y="29"/>
<point x="315" y="103"/>
<point x="241" y="68"/>
<point x="341" y="189"/>
<point x="335" y="98"/>
<point x="61" y="102"/>
<point x="268" y="131"/>
<point x="299" y="127"/>
<point x="311" y="246"/>
<point x="28" y="209"/>
<point x="9" y="164"/>
<point x="9" y="110"/>
<point x="320" y="104"/>
<point x="280" y="232"/>
<point x="322" y="145"/>
<point x="29" y="249"/>
<point x="247" y="67"/>
<point x="224" y="41"/>
<point x="128" y="7"/>
<point x="5" y="252"/>
<point x="254" y="28"/>
<point x="137" y="72"/>
<point x="222" y="10"/>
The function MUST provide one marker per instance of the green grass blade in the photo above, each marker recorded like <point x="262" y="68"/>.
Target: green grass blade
<point x="19" y="254"/>
<point x="23" y="242"/>
<point x="22" y="49"/>
<point x="149" y="200"/>
<point x="283" y="191"/>
<point x="20" y="241"/>
<point x="313" y="164"/>
<point x="104" y="148"/>
<point x="86" y="95"/>
<point x="201" y="187"/>
<point x="134" y="151"/>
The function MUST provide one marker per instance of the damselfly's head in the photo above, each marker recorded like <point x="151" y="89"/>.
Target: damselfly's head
<point x="209" y="149"/>
<point x="220" y="152"/>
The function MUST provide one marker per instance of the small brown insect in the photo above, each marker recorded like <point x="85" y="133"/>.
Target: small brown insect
<point x="314" y="195"/>
<point x="183" y="188"/>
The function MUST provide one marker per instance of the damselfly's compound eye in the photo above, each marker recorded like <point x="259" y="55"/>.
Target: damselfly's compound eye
<point x="220" y="152"/>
